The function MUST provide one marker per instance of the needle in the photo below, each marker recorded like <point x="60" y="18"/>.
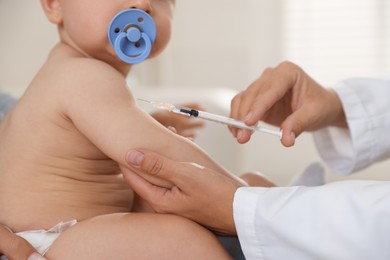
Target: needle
<point x="211" y="117"/>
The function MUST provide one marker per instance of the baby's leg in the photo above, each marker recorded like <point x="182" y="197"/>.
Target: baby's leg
<point x="137" y="236"/>
<point x="257" y="179"/>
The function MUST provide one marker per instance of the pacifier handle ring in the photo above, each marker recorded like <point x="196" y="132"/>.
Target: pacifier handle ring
<point x="132" y="59"/>
<point x="132" y="33"/>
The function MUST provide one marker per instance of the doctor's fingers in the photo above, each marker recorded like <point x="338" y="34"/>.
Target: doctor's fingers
<point x="163" y="200"/>
<point x="311" y="115"/>
<point x="235" y="110"/>
<point x="154" y="164"/>
<point x="157" y="197"/>
<point x="271" y="92"/>
<point x="191" y="179"/>
<point x="265" y="92"/>
<point x="15" y="247"/>
<point x="293" y="126"/>
<point x="239" y="109"/>
<point x="260" y="99"/>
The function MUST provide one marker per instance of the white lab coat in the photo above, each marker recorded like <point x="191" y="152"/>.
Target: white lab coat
<point x="340" y="220"/>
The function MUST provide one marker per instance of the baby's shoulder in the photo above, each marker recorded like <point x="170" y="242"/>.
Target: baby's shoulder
<point x="69" y="70"/>
<point x="82" y="81"/>
<point x="87" y="72"/>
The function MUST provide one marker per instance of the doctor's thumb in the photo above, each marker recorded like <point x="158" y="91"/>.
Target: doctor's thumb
<point x="149" y="162"/>
<point x="295" y="124"/>
<point x="135" y="158"/>
<point x="288" y="138"/>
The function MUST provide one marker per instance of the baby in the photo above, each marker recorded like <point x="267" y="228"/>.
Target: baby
<point x="63" y="143"/>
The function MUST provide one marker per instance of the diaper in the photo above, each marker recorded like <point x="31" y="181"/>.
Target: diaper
<point x="41" y="240"/>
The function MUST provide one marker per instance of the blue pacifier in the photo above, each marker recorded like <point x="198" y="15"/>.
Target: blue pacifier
<point x="132" y="33"/>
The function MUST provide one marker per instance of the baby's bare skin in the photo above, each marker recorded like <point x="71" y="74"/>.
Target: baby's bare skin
<point x="63" y="144"/>
<point x="61" y="147"/>
<point x="61" y="178"/>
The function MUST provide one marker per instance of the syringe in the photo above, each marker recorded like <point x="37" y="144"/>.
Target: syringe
<point x="211" y="117"/>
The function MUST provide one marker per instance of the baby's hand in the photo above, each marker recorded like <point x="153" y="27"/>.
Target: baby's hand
<point x="183" y="125"/>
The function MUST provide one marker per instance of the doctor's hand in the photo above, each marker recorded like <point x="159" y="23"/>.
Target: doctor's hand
<point x="199" y="194"/>
<point x="287" y="97"/>
<point x="15" y="247"/>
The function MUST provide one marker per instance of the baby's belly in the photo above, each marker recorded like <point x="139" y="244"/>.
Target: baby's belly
<point x="45" y="200"/>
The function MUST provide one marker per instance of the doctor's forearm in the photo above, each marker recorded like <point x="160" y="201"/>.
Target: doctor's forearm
<point x="324" y="222"/>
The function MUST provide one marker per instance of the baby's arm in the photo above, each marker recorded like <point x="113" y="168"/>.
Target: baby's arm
<point x="104" y="110"/>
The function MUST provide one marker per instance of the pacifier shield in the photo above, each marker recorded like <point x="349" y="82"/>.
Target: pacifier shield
<point x="132" y="33"/>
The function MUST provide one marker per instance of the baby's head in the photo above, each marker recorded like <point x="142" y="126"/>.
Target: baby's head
<point x="83" y="24"/>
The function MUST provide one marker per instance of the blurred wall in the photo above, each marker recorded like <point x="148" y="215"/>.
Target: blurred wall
<point x="220" y="43"/>
<point x="216" y="44"/>
<point x="27" y="38"/>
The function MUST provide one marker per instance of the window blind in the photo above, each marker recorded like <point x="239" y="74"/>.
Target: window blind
<point x="336" y="39"/>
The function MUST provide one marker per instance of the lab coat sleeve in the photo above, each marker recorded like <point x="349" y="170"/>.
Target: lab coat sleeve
<point x="341" y="220"/>
<point x="367" y="109"/>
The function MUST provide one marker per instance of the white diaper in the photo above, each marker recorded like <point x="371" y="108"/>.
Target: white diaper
<point x="41" y="240"/>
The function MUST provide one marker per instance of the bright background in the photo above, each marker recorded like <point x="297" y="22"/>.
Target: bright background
<point x="219" y="47"/>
